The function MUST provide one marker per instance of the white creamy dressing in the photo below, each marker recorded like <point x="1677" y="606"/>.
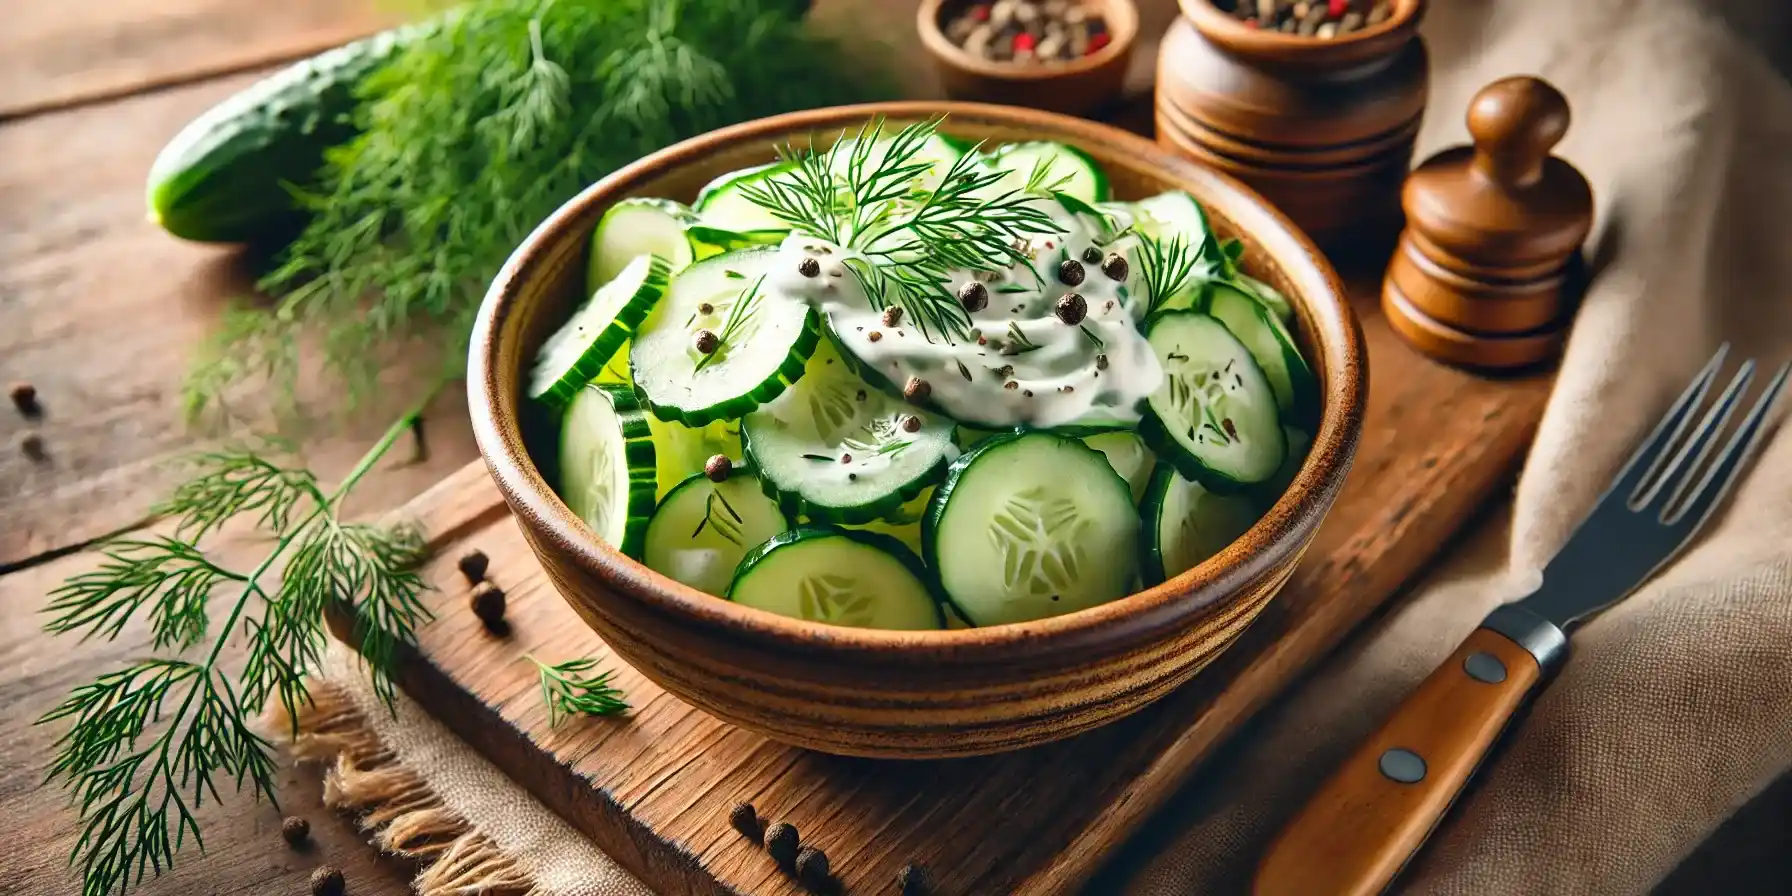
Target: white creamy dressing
<point x="1067" y="379"/>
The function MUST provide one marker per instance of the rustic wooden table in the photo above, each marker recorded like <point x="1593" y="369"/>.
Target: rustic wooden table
<point x="102" y="311"/>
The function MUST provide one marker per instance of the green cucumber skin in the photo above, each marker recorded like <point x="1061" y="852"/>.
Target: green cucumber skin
<point x="876" y="540"/>
<point x="638" y="453"/>
<point x="735" y="408"/>
<point x="604" y="348"/>
<point x="227" y="176"/>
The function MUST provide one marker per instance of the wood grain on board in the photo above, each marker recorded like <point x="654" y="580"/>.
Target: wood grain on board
<point x="55" y="53"/>
<point x="103" y="313"/>
<point x="654" y="789"/>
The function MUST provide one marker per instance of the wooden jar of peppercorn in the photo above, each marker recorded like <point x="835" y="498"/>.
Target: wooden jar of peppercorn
<point x="1313" y="103"/>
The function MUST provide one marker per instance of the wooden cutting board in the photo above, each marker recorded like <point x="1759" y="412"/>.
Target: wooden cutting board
<point x="654" y="788"/>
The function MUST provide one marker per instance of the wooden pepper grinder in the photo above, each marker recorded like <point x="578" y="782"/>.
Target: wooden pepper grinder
<point x="1488" y="269"/>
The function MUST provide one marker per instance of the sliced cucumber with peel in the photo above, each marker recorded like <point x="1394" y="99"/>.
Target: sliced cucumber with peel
<point x="577" y="352"/>
<point x="607" y="465"/>
<point x="834" y="449"/>
<point x="1170" y="214"/>
<point x="764" y="339"/>
<point x="1299" y="443"/>
<point x="721" y="205"/>
<point x="1031" y="525"/>
<point x="1271" y="345"/>
<point x="838" y="577"/>
<point x="1075" y="173"/>
<point x="1129" y="457"/>
<point x="703" y="528"/>
<point x="1214" y="416"/>
<point x="681" y="451"/>
<point x="636" y="227"/>
<point x="1185" y="524"/>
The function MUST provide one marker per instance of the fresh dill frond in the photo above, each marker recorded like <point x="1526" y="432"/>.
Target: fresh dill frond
<point x="726" y="524"/>
<point x="567" y="692"/>
<point x="477" y="129"/>
<point x="1165" y="267"/>
<point x="746" y="304"/>
<point x="869" y="194"/>
<point x="1040" y="181"/>
<point x="148" y="744"/>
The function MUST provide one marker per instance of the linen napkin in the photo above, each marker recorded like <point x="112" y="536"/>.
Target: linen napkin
<point x="1677" y="705"/>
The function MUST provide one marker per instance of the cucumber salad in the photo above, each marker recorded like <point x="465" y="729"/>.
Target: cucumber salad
<point x="906" y="383"/>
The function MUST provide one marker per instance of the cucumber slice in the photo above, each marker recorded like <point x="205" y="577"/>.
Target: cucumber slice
<point x="838" y="577"/>
<point x="579" y="349"/>
<point x="1129" y="457"/>
<point x="636" y="227"/>
<point x="904" y="523"/>
<point x="1214" y="415"/>
<point x="1298" y="444"/>
<point x="1170" y="214"/>
<point x="722" y="207"/>
<point x="1185" y="523"/>
<point x="1263" y="292"/>
<point x="709" y="241"/>
<point x="702" y="529"/>
<point x="1031" y="525"/>
<point x="833" y="449"/>
<point x="607" y="465"/>
<point x="1080" y="176"/>
<point x="765" y="338"/>
<point x="1271" y="345"/>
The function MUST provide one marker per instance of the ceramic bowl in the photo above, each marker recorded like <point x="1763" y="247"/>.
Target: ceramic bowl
<point x="911" y="694"/>
<point x="1074" y="88"/>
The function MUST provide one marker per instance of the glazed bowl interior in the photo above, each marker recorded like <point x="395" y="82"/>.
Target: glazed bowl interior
<point x="541" y="284"/>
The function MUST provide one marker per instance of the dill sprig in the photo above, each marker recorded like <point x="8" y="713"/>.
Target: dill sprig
<point x="1165" y="267"/>
<point x="147" y="745"/>
<point x="478" y="128"/>
<point x="871" y="195"/>
<point x="727" y="527"/>
<point x="739" y="313"/>
<point x="567" y="692"/>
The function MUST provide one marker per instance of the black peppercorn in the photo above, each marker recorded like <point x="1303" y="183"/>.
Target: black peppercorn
<point x="1071" y="308"/>
<point x="1070" y="272"/>
<point x="809" y="267"/>
<point x="327" y="881"/>
<point x="917" y="390"/>
<point x="718" y="468"/>
<point x="911" y="423"/>
<point x="473" y="565"/>
<point x="705" y="308"/>
<point x="913" y="880"/>
<point x="24" y="397"/>
<point x="295" y="831"/>
<point x="32" y="444"/>
<point x="707" y="342"/>
<point x="745" y="820"/>
<point x="1092" y="255"/>
<point x="973" y="296"/>
<point x="488" y="604"/>
<point x="781" y="842"/>
<point x="812" y="868"/>
<point x="892" y="315"/>
<point x="1115" y="267"/>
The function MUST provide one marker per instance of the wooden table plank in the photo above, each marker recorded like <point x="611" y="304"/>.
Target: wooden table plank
<point x="55" y="53"/>
<point x="102" y="312"/>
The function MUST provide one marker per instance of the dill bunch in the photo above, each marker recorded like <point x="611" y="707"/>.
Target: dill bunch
<point x="473" y="134"/>
<point x="148" y="744"/>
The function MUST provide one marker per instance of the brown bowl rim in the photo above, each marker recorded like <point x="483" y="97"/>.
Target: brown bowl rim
<point x="1264" y="547"/>
<point x="1120" y="43"/>
<point x="1274" y="47"/>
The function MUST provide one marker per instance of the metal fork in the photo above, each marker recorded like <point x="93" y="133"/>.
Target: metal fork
<point x="1375" y="812"/>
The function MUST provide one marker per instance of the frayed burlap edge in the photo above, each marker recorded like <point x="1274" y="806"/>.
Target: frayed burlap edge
<point x="397" y="809"/>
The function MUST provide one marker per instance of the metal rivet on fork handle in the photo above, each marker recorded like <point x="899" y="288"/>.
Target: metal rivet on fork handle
<point x="1484" y="667"/>
<point x="1403" y="765"/>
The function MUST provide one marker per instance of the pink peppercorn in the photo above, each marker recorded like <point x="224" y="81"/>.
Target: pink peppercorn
<point x="1023" y="42"/>
<point x="1097" y="42"/>
<point x="1337" y="8"/>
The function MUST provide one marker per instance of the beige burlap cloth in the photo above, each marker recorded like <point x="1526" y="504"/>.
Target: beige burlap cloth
<point x="1677" y="705"/>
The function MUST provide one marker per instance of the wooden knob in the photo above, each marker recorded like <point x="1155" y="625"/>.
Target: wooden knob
<point x="1515" y="122"/>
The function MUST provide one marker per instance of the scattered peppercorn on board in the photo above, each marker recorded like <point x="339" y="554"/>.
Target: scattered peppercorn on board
<point x="655" y="787"/>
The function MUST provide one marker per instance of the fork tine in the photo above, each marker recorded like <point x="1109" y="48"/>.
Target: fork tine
<point x="1697" y="446"/>
<point x="1653" y="452"/>
<point x="1722" y="475"/>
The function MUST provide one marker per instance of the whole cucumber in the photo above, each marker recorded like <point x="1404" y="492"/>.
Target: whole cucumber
<point x="227" y="176"/>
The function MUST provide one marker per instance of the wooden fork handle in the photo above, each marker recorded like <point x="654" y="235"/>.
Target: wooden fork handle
<point x="1371" y="817"/>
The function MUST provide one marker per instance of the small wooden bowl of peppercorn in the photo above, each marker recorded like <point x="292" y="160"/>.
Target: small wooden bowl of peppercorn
<point x="1065" y="56"/>
<point x="910" y="694"/>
